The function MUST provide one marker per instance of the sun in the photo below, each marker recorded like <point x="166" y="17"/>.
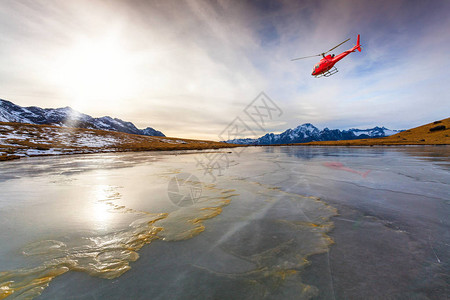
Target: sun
<point x="96" y="70"/>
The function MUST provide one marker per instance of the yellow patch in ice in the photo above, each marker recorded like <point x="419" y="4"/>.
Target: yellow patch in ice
<point x="109" y="256"/>
<point x="284" y="273"/>
<point x="105" y="256"/>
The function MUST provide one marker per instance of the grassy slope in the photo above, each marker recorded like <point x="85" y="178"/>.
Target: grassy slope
<point x="29" y="140"/>
<point x="416" y="136"/>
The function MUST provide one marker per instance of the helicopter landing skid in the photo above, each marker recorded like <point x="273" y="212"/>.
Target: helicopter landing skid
<point x="328" y="73"/>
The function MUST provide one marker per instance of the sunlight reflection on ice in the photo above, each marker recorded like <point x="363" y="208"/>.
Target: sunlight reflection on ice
<point x="271" y="230"/>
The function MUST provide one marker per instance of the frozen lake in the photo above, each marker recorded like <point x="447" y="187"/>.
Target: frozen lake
<point x="269" y="223"/>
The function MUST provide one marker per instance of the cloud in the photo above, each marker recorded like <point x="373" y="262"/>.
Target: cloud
<point x="188" y="68"/>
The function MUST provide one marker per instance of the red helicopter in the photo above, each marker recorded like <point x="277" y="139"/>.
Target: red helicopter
<point x="325" y="67"/>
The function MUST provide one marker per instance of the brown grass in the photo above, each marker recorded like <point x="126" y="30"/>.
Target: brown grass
<point x="416" y="136"/>
<point x="68" y="144"/>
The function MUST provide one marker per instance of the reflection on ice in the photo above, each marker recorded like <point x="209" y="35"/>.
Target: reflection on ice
<point x="108" y="256"/>
<point x="104" y="256"/>
<point x="341" y="167"/>
<point x="278" y="248"/>
<point x="277" y="233"/>
<point x="248" y="235"/>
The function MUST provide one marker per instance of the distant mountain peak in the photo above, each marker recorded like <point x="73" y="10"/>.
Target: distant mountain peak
<point x="67" y="116"/>
<point x="307" y="132"/>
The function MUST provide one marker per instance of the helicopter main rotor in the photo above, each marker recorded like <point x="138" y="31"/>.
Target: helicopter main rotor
<point x="321" y="54"/>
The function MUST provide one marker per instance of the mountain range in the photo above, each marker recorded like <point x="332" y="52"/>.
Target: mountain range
<point x="309" y="133"/>
<point x="66" y="116"/>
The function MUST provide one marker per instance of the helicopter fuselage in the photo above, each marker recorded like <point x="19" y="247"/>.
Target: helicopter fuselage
<point x="328" y="62"/>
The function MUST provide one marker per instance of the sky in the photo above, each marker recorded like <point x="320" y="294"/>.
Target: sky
<point x="189" y="68"/>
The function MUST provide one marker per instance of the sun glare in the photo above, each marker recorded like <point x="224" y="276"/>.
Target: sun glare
<point x="100" y="211"/>
<point x="96" y="71"/>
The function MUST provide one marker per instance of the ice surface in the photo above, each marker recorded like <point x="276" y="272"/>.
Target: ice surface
<point x="255" y="232"/>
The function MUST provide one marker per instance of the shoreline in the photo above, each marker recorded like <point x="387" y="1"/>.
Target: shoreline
<point x="30" y="140"/>
<point x="16" y="157"/>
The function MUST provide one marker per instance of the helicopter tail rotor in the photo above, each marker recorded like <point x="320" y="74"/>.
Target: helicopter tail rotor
<point x="358" y="44"/>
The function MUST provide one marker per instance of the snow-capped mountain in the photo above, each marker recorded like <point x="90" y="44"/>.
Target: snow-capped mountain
<point x="66" y="116"/>
<point x="309" y="133"/>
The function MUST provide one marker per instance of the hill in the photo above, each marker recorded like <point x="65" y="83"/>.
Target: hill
<point x="24" y="140"/>
<point x="67" y="117"/>
<point x="435" y="133"/>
